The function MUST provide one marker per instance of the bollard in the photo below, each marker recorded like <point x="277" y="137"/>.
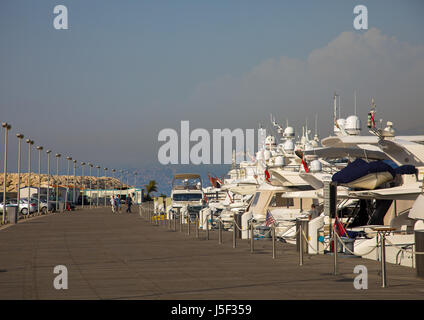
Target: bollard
<point x="335" y="247"/>
<point x="197" y="227"/>
<point x="188" y="224"/>
<point x="251" y="238"/>
<point x="174" y="217"/>
<point x="181" y="222"/>
<point x="207" y="228"/>
<point x="383" y="260"/>
<point x="273" y="241"/>
<point x="220" y="232"/>
<point x="234" y="231"/>
<point x="300" y="246"/>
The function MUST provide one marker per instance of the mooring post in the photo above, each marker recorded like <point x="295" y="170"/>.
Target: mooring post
<point x="251" y="238"/>
<point x="207" y="228"/>
<point x="234" y="231"/>
<point x="300" y="245"/>
<point x="383" y="259"/>
<point x="197" y="226"/>
<point x="335" y="246"/>
<point x="273" y="241"/>
<point x="220" y="232"/>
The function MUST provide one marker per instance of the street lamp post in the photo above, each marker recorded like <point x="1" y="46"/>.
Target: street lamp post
<point x="6" y="127"/>
<point x="127" y="173"/>
<point x="67" y="183"/>
<point x="91" y="191"/>
<point x="113" y="183"/>
<point x="39" y="148"/>
<point x="135" y="187"/>
<point x="98" y="184"/>
<point x="48" y="178"/>
<point x="20" y="136"/>
<point x="75" y="181"/>
<point x="105" y="184"/>
<point x="122" y="184"/>
<point x="82" y="183"/>
<point x="30" y="143"/>
<point x="58" y="155"/>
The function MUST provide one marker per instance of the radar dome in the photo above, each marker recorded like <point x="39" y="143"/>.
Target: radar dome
<point x="389" y="131"/>
<point x="353" y="125"/>
<point x="315" y="166"/>
<point x="289" y="132"/>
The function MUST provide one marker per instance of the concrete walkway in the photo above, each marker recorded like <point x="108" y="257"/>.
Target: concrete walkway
<point x="124" y="257"/>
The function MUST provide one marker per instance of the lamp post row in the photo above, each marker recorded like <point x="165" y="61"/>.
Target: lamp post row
<point x="7" y="127"/>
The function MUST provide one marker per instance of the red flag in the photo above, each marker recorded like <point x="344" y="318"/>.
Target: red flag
<point x="340" y="229"/>
<point x="305" y="166"/>
<point x="267" y="176"/>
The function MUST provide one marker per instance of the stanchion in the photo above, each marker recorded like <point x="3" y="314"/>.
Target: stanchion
<point x="273" y="241"/>
<point x="234" y="232"/>
<point x="335" y="247"/>
<point x="188" y="224"/>
<point x="251" y="238"/>
<point x="207" y="228"/>
<point x="197" y="227"/>
<point x="220" y="232"/>
<point x="383" y="260"/>
<point x="300" y="245"/>
<point x="180" y="219"/>
<point x="175" y="221"/>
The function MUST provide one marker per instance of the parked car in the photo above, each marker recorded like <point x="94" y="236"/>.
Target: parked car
<point x="23" y="205"/>
<point x="52" y="204"/>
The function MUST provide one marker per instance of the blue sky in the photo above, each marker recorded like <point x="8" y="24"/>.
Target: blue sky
<point x="126" y="69"/>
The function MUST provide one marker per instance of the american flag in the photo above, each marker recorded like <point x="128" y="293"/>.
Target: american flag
<point x="269" y="219"/>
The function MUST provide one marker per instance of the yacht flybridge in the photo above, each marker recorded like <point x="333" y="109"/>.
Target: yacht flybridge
<point x="187" y="193"/>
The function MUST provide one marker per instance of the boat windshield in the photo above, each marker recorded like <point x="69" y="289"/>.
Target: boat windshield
<point x="187" y="196"/>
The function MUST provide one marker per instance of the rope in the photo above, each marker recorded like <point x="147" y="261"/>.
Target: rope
<point x="294" y="236"/>
<point x="240" y="229"/>
<point x="350" y="251"/>
<point x="309" y="244"/>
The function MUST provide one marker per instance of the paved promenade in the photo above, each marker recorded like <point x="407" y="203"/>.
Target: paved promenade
<point x="125" y="257"/>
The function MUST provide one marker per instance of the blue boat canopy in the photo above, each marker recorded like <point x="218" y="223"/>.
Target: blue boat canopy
<point x="406" y="169"/>
<point x="360" y="168"/>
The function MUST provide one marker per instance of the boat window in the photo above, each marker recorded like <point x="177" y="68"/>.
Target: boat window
<point x="187" y="196"/>
<point x="287" y="202"/>
<point x="278" y="201"/>
<point x="255" y="200"/>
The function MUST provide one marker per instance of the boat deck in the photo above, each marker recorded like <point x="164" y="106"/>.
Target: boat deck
<point x="123" y="256"/>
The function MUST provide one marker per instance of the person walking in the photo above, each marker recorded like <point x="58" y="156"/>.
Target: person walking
<point x="112" y="203"/>
<point x="129" y="204"/>
<point x="117" y="204"/>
